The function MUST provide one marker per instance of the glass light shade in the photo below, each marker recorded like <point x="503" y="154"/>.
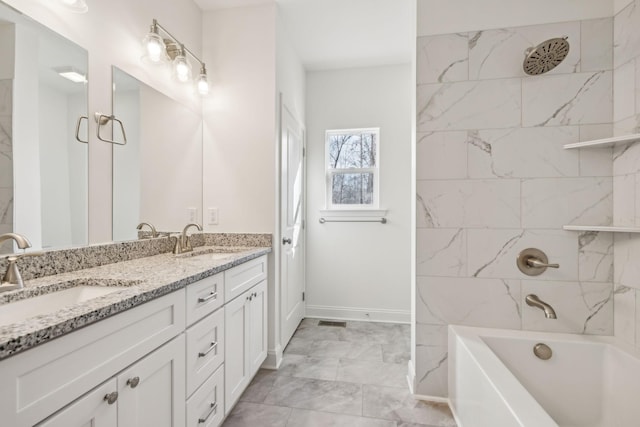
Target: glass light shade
<point x="77" y="6"/>
<point x="182" y="69"/>
<point x="203" y="84"/>
<point x="155" y="50"/>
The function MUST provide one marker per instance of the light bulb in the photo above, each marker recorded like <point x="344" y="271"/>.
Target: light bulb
<point x="202" y="83"/>
<point x="155" y="50"/>
<point x="181" y="68"/>
<point x="77" y="6"/>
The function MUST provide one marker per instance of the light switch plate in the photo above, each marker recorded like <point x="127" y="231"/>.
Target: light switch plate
<point x="192" y="214"/>
<point x="213" y="216"/>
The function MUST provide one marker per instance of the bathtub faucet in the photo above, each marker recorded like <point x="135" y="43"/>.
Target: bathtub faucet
<point x="534" y="301"/>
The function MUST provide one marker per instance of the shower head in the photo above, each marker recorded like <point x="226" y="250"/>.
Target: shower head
<point x="546" y="56"/>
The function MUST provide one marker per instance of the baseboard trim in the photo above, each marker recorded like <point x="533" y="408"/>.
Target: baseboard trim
<point x="274" y="358"/>
<point x="359" y="314"/>
<point x="436" y="399"/>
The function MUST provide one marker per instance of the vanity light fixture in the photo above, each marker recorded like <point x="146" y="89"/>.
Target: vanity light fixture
<point x="77" y="6"/>
<point x="71" y="73"/>
<point x="158" y="50"/>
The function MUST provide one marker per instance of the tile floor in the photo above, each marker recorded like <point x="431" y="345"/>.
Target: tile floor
<point x="339" y="377"/>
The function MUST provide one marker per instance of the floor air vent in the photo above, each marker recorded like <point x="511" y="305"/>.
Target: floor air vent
<point x="331" y="323"/>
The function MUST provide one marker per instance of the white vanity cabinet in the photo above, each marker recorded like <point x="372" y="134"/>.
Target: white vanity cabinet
<point x="37" y="383"/>
<point x="246" y="340"/>
<point x="182" y="359"/>
<point x="148" y="393"/>
<point x="89" y="410"/>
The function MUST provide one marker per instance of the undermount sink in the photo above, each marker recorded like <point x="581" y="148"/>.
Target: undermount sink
<point x="47" y="303"/>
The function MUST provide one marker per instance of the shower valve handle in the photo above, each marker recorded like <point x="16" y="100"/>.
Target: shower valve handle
<point x="535" y="262"/>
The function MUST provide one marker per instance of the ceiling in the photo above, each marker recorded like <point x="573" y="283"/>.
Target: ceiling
<point x="331" y="34"/>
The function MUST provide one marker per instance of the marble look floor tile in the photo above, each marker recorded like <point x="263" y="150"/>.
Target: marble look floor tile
<point x="252" y="414"/>
<point x="373" y="336"/>
<point x="328" y="396"/>
<point x="260" y="386"/>
<point x="396" y="353"/>
<point x="295" y="365"/>
<point x="299" y="346"/>
<point x="318" y="333"/>
<point x="368" y="372"/>
<point x="305" y="418"/>
<point x="399" y="405"/>
<point x="346" y="350"/>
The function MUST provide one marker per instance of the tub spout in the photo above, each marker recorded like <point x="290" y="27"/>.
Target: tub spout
<point x="534" y="301"/>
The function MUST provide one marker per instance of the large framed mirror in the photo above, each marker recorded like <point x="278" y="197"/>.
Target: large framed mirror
<point x="43" y="153"/>
<point x="157" y="174"/>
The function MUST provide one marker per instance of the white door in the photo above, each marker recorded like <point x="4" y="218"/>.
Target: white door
<point x="91" y="410"/>
<point x="151" y="392"/>
<point x="291" y="224"/>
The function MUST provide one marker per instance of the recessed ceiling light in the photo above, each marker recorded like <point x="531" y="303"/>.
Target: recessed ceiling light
<point x="72" y="74"/>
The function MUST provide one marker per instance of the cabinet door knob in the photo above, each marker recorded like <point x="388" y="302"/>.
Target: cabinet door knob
<point x="286" y="240"/>
<point x="111" y="398"/>
<point x="133" y="382"/>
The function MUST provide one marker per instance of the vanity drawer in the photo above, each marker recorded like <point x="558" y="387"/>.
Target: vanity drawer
<point x="205" y="349"/>
<point x="206" y="407"/>
<point x="44" y="379"/>
<point x="240" y="278"/>
<point x="204" y="297"/>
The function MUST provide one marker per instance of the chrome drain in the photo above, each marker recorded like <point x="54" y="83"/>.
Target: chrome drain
<point x="542" y="351"/>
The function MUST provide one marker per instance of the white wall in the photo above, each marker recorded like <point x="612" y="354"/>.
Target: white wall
<point x="112" y="31"/>
<point x="355" y="269"/>
<point x="170" y="161"/>
<point x="239" y="118"/>
<point x="454" y="16"/>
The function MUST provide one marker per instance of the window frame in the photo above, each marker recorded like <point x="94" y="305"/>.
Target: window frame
<point x="330" y="172"/>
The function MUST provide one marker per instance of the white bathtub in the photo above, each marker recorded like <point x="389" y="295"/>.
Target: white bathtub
<point x="495" y="380"/>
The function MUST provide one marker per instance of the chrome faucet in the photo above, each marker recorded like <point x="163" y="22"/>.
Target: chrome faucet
<point x="154" y="233"/>
<point x="533" y="301"/>
<point x="12" y="278"/>
<point x="183" y="243"/>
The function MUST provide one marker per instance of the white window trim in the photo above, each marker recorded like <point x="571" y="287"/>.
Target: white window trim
<point x="352" y="210"/>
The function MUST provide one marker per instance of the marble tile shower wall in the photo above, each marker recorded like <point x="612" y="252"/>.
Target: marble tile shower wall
<point x="493" y="179"/>
<point x="6" y="162"/>
<point x="626" y="172"/>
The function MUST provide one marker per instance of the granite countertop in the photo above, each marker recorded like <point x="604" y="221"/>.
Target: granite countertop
<point x="143" y="279"/>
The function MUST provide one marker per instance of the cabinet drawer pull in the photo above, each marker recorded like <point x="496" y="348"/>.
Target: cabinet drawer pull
<point x="212" y="295"/>
<point x="133" y="382"/>
<point x="111" y="398"/>
<point x="209" y="350"/>
<point x="213" y="408"/>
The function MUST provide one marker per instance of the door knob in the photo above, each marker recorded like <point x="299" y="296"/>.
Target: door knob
<point x="286" y="241"/>
<point x="133" y="382"/>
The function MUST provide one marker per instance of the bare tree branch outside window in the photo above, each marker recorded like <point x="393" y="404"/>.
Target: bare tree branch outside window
<point x="352" y="156"/>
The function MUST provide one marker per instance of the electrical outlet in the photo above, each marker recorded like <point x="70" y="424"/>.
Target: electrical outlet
<point x="192" y="214"/>
<point x="213" y="216"/>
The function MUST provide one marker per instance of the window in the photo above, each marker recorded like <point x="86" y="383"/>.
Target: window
<point x="352" y="168"/>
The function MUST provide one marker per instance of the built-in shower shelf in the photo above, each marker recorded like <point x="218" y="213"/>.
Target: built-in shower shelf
<point x="606" y="142"/>
<point x="609" y="228"/>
